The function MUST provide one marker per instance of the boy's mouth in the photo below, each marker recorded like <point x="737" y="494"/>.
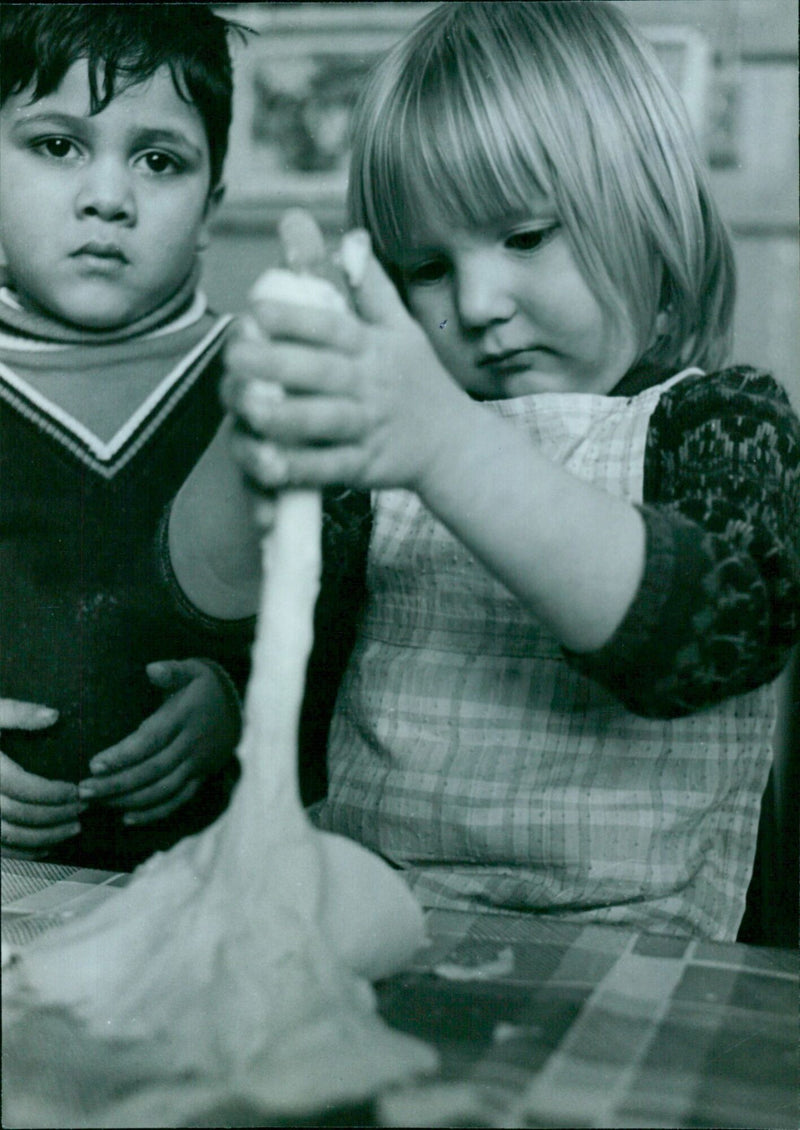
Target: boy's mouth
<point x="108" y="252"/>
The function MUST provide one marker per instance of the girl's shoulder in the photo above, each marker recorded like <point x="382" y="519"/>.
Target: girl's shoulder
<point x="739" y="399"/>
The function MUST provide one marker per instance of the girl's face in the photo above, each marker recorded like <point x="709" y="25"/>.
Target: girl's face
<point x="507" y="310"/>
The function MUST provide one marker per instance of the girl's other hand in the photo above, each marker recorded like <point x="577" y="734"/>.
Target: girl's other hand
<point x="160" y="766"/>
<point x="35" y="813"/>
<point x="363" y="400"/>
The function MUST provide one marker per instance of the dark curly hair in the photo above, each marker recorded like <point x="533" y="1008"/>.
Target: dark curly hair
<point x="124" y="45"/>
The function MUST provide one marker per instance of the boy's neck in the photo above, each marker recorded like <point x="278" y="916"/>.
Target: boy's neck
<point x="32" y="323"/>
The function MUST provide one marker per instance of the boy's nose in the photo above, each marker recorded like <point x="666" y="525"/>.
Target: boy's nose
<point x="483" y="293"/>
<point x="106" y="192"/>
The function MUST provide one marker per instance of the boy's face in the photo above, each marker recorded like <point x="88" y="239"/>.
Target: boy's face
<point x="101" y="216"/>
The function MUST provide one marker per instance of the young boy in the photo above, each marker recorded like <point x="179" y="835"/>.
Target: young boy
<point x="113" y="131"/>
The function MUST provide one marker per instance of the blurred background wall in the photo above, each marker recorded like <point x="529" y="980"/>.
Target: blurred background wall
<point x="736" y="62"/>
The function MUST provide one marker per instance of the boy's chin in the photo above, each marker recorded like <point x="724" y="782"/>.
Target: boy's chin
<point x="95" y="313"/>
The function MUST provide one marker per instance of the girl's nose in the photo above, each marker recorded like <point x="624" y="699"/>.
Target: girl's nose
<point x="483" y="293"/>
<point x="106" y="192"/>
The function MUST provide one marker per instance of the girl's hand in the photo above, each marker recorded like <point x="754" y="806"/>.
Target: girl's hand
<point x="35" y="813"/>
<point x="354" y="398"/>
<point x="160" y="766"/>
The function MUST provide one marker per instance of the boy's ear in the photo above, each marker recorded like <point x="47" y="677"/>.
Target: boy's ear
<point x="212" y="204"/>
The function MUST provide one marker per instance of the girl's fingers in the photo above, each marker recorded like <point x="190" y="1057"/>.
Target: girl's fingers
<point x="300" y="420"/>
<point x="283" y="368"/>
<point x="272" y="467"/>
<point x="311" y="325"/>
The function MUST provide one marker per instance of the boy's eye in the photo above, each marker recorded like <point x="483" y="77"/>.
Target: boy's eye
<point x="57" y="147"/>
<point x="155" y="161"/>
<point x="530" y="238"/>
<point x="429" y="272"/>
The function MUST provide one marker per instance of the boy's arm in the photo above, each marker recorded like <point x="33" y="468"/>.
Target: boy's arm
<point x="213" y="541"/>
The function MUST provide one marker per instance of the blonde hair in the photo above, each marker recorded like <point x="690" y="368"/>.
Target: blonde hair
<point x="483" y="103"/>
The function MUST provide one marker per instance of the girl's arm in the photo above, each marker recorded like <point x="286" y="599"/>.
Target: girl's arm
<point x="213" y="541"/>
<point x="718" y="609"/>
<point x="368" y="404"/>
<point x="571" y="552"/>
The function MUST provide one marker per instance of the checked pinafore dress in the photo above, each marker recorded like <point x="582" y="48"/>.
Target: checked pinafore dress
<point x="468" y="752"/>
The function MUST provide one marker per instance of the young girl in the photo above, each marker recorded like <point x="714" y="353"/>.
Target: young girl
<point x="583" y="569"/>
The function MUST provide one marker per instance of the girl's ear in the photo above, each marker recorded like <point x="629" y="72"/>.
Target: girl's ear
<point x="662" y="322"/>
<point x="212" y="204"/>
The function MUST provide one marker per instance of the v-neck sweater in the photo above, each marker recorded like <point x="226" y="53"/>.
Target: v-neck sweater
<point x="86" y="602"/>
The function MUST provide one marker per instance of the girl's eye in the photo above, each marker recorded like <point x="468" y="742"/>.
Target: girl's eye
<point x="530" y="239"/>
<point x="58" y="147"/>
<point x="430" y="272"/>
<point x="159" y="163"/>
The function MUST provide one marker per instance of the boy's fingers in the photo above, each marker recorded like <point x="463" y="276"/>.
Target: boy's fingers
<point x="107" y="786"/>
<point x="28" y="815"/>
<point x="16" y="837"/>
<point x="151" y="770"/>
<point x="154" y="734"/>
<point x="17" y="715"/>
<point x="172" y="674"/>
<point x="159" y="812"/>
<point x="159" y="792"/>
<point x="18" y="784"/>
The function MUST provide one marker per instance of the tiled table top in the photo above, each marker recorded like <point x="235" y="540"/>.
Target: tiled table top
<point x="546" y="1024"/>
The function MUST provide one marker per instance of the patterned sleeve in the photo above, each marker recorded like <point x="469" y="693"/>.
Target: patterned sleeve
<point x="718" y="607"/>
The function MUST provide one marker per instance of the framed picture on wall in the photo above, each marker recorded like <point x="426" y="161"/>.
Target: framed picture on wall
<point x="296" y="81"/>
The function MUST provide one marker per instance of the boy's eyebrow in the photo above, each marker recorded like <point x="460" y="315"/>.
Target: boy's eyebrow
<point x="160" y="135"/>
<point x="47" y="117"/>
<point x="141" y="135"/>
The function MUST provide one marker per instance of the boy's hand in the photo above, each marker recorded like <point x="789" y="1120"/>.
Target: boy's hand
<point x="35" y="813"/>
<point x="161" y="765"/>
<point x="365" y="397"/>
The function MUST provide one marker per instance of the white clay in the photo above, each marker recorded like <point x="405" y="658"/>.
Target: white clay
<point x="234" y="969"/>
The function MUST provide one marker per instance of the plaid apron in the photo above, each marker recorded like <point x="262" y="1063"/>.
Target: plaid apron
<point x="466" y="751"/>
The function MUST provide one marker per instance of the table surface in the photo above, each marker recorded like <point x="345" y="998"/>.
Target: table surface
<point x="541" y="1023"/>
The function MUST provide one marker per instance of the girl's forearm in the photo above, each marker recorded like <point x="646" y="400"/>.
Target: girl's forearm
<point x="568" y="550"/>
<point x="213" y="540"/>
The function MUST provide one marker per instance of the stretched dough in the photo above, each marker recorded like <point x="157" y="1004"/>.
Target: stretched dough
<point x="233" y="970"/>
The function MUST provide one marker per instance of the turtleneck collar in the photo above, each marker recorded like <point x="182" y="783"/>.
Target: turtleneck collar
<point x="15" y="319"/>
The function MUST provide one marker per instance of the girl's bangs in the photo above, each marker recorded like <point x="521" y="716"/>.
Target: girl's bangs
<point x="447" y="149"/>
